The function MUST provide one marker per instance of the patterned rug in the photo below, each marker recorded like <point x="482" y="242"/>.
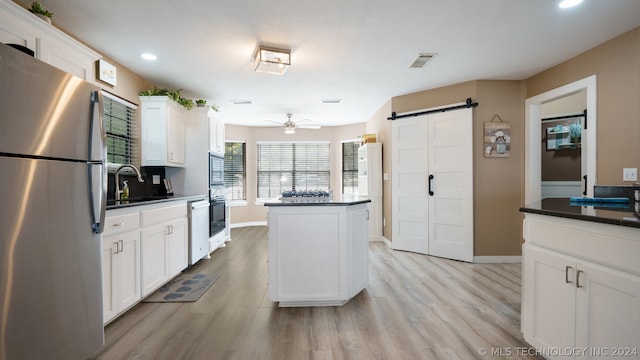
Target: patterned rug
<point x="184" y="288"/>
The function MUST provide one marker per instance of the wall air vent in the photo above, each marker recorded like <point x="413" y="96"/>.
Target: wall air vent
<point x="421" y="60"/>
<point x="331" y="101"/>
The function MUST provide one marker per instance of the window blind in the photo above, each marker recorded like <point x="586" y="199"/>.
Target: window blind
<point x="286" y="166"/>
<point x="350" y="167"/>
<point x="118" y="118"/>
<point x="234" y="169"/>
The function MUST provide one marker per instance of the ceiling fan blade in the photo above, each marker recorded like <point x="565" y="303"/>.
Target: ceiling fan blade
<point x="275" y="122"/>
<point x="315" y="127"/>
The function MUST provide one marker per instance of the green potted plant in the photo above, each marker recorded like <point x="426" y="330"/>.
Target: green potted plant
<point x="201" y="103"/>
<point x="172" y="94"/>
<point x="575" y="132"/>
<point x="41" y="12"/>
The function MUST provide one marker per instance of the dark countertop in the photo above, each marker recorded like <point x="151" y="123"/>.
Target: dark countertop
<point x="147" y="200"/>
<point x="346" y="201"/>
<point x="561" y="207"/>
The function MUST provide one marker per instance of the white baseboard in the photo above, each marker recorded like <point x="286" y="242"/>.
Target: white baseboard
<point x="386" y="241"/>
<point x="497" y="259"/>
<point x="250" y="223"/>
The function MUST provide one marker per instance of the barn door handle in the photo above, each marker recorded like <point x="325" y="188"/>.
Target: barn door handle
<point x="430" y="191"/>
<point x="584" y="192"/>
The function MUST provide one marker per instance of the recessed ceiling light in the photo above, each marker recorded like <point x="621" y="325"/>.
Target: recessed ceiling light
<point x="148" y="56"/>
<point x="564" y="4"/>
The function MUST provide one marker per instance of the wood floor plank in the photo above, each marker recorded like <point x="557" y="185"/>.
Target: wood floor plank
<point x="415" y="307"/>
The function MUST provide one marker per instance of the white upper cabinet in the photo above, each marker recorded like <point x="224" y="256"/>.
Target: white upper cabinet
<point x="163" y="139"/>
<point x="19" y="26"/>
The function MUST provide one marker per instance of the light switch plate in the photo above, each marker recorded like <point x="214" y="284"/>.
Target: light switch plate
<point x="630" y="174"/>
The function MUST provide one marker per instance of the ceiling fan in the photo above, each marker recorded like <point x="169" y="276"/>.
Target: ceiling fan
<point x="290" y="125"/>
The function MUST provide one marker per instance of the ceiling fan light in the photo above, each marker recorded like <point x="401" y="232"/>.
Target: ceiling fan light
<point x="290" y="130"/>
<point x="272" y="60"/>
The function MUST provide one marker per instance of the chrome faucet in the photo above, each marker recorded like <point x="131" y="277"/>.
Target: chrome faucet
<point x="117" y="178"/>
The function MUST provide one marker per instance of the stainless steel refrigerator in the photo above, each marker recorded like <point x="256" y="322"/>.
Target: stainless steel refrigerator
<point x="52" y="208"/>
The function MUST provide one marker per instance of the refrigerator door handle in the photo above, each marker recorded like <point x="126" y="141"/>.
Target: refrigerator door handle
<point x="97" y="180"/>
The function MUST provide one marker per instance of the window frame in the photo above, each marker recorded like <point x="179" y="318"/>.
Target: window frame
<point x="354" y="172"/>
<point x="131" y="138"/>
<point x="326" y="174"/>
<point x="243" y="173"/>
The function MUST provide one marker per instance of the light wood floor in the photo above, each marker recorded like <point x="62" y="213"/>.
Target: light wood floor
<point x="415" y="307"/>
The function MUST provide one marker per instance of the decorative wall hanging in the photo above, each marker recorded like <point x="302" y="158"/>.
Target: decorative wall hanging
<point x="497" y="138"/>
<point x="107" y="72"/>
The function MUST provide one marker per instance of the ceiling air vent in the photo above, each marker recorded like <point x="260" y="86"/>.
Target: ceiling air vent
<point x="421" y="60"/>
<point x="241" y="102"/>
<point x="331" y="101"/>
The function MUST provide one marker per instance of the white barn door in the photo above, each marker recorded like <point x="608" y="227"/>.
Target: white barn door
<point x="433" y="184"/>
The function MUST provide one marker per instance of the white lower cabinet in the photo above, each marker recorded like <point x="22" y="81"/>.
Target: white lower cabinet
<point x="318" y="255"/>
<point x="143" y="247"/>
<point x="573" y="307"/>
<point x="164" y="245"/>
<point x="120" y="265"/>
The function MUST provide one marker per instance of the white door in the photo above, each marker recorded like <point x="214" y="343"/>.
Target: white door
<point x="434" y="154"/>
<point x="451" y="184"/>
<point x="409" y="184"/>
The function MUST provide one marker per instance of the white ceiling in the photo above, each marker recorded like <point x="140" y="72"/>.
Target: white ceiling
<point x="355" y="50"/>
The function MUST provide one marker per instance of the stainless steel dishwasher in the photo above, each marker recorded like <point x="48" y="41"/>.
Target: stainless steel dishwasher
<point x="198" y="230"/>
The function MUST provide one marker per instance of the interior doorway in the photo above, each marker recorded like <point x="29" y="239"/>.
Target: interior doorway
<point x="533" y="137"/>
<point x="562" y="163"/>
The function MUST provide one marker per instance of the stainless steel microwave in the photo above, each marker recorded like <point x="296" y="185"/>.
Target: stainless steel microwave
<point x="216" y="170"/>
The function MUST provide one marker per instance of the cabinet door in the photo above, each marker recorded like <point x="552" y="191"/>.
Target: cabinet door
<point x="175" y="136"/>
<point x="154" y="254"/>
<point x="358" y="249"/>
<point x="14" y="31"/>
<point x="549" y="309"/>
<point x="109" y="266"/>
<point x="177" y="250"/>
<point x="128" y="269"/>
<point x="66" y="59"/>
<point x="608" y="308"/>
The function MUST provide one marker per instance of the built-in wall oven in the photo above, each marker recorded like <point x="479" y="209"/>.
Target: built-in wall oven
<point x="217" y="219"/>
<point x="216" y="194"/>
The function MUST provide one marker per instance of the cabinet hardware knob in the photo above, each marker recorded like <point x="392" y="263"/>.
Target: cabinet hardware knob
<point x="578" y="279"/>
<point x="430" y="190"/>
<point x="566" y="274"/>
<point x="116" y="249"/>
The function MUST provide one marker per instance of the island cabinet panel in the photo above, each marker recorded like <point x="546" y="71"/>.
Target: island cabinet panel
<point x="581" y="287"/>
<point x="318" y="255"/>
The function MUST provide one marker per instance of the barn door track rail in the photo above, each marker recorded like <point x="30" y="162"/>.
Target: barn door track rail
<point x="469" y="103"/>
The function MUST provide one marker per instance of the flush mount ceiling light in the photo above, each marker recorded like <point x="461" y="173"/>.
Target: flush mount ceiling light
<point x="564" y="4"/>
<point x="272" y="60"/>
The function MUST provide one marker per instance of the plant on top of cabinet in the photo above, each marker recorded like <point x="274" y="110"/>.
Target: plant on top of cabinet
<point x="38" y="9"/>
<point x="172" y="94"/>
<point x="201" y="103"/>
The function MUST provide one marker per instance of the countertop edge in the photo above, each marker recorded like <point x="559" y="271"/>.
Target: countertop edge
<point x="591" y="218"/>
<point x="168" y="199"/>
<point x="332" y="203"/>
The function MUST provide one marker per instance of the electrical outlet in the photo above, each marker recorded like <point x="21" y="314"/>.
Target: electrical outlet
<point x="630" y="174"/>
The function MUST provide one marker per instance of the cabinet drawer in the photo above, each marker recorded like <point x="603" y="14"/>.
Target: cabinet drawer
<point x="163" y="214"/>
<point x="119" y="223"/>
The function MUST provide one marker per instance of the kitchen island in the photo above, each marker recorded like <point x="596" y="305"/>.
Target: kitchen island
<point x="318" y="251"/>
<point x="581" y="278"/>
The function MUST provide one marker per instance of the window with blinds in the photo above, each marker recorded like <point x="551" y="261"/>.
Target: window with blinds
<point x="286" y="166"/>
<point x="350" y="167"/>
<point x="118" y="121"/>
<point x="234" y="169"/>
